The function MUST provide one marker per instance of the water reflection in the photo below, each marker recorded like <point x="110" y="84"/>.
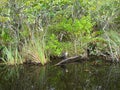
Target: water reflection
<point x="79" y="77"/>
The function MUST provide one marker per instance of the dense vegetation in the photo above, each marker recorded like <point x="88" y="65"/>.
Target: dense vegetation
<point x="34" y="30"/>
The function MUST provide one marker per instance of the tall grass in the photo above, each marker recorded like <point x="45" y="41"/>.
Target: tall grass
<point x="114" y="43"/>
<point x="34" y="52"/>
<point x="12" y="57"/>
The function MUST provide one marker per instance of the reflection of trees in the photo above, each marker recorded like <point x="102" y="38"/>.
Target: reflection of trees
<point x="112" y="78"/>
<point x="72" y="80"/>
<point x="96" y="78"/>
<point x="80" y="77"/>
<point x="32" y="78"/>
<point x="8" y="75"/>
<point x="103" y="78"/>
<point x="22" y="78"/>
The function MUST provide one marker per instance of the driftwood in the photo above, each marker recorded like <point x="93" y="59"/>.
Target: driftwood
<point x="70" y="60"/>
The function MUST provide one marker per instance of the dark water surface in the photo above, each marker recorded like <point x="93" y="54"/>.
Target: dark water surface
<point x="80" y="76"/>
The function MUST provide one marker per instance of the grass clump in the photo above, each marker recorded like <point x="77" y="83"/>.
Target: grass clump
<point x="34" y="52"/>
<point x="12" y="57"/>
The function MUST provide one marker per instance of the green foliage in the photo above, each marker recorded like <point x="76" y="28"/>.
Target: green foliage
<point x="5" y="34"/>
<point x="104" y="12"/>
<point x="60" y="25"/>
<point x="53" y="46"/>
<point x="79" y="30"/>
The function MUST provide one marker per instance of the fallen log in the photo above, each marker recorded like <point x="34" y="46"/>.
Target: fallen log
<point x="70" y="60"/>
<point x="81" y="59"/>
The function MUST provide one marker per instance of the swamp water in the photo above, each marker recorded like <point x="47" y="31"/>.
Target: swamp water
<point x="80" y="76"/>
